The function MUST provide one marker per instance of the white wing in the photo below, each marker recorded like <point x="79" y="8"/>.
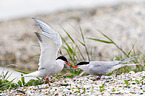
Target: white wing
<point x="48" y="51"/>
<point x="49" y="32"/>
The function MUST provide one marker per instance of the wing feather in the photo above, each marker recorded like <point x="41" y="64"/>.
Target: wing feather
<point x="48" y="50"/>
<point x="49" y="32"/>
<point x="50" y="42"/>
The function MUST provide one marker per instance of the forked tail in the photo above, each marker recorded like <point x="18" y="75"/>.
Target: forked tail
<point x="127" y="59"/>
<point x="121" y="65"/>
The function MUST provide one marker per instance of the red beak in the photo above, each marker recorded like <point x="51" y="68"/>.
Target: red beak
<point x="67" y="64"/>
<point x="74" y="66"/>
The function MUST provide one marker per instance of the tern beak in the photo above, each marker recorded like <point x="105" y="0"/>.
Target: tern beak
<point x="74" y="66"/>
<point x="67" y="64"/>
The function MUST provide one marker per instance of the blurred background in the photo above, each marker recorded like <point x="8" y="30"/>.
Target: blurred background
<point x="122" y="20"/>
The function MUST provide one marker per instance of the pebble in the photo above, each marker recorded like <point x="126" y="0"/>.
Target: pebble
<point x="115" y="85"/>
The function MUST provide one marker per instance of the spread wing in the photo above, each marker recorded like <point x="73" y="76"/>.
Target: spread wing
<point x="49" y="32"/>
<point x="48" y="51"/>
<point x="50" y="42"/>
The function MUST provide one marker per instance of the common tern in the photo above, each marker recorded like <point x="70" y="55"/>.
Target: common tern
<point x="100" y="68"/>
<point x="50" y="42"/>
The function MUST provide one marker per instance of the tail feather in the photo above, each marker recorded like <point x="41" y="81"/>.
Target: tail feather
<point x="127" y="59"/>
<point x="130" y="64"/>
<point x="121" y="65"/>
<point x="29" y="76"/>
<point x="33" y="74"/>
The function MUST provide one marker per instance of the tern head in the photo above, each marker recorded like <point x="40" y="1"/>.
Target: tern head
<point x="81" y="64"/>
<point x="62" y="58"/>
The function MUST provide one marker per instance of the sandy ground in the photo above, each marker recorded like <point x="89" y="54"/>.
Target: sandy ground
<point x="123" y="23"/>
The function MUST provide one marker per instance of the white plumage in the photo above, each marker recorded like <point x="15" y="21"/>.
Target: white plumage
<point x="50" y="42"/>
<point x="102" y="67"/>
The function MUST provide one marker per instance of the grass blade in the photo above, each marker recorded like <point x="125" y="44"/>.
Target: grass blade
<point x="74" y="44"/>
<point x="81" y="43"/>
<point x="9" y="76"/>
<point x="103" y="41"/>
<point x="85" y="44"/>
<point x="111" y="41"/>
<point x="68" y="35"/>
<point x="67" y="52"/>
<point x="131" y="50"/>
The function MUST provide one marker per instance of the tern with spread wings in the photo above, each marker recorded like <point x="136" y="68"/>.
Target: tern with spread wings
<point x="50" y="42"/>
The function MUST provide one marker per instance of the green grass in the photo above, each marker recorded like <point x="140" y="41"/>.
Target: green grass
<point x="5" y="84"/>
<point x="76" y="55"/>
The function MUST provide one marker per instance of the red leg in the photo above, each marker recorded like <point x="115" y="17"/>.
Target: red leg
<point x="99" y="77"/>
<point x="47" y="80"/>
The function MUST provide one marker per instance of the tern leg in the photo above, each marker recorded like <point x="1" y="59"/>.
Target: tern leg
<point x="47" y="79"/>
<point x="99" y="77"/>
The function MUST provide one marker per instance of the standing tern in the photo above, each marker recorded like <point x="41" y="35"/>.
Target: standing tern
<point x="50" y="42"/>
<point x="102" y="67"/>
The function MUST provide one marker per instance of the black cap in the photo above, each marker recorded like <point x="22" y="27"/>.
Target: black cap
<point x="62" y="58"/>
<point x="83" y="63"/>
